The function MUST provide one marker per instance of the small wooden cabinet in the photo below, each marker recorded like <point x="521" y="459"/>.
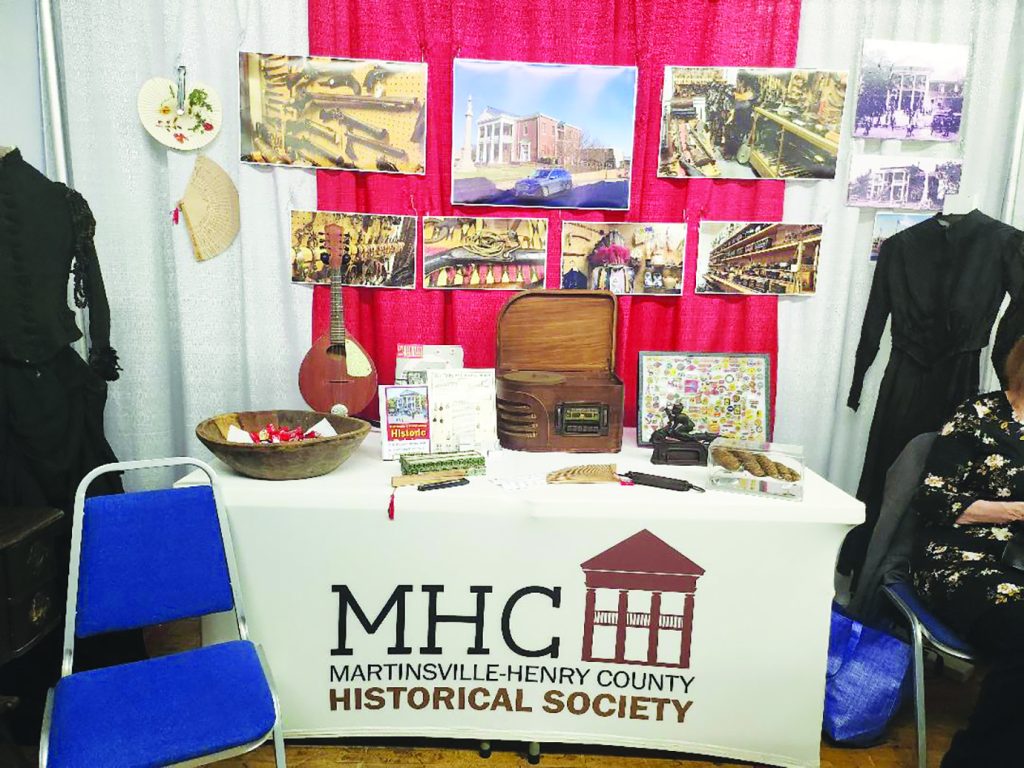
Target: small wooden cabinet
<point x="32" y="577"/>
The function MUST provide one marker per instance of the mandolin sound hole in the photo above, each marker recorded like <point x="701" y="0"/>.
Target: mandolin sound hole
<point x="336" y="350"/>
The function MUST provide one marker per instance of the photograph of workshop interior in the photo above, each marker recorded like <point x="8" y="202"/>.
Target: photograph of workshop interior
<point x="758" y="257"/>
<point x="319" y="112"/>
<point x="624" y="258"/>
<point x="378" y="251"/>
<point x="495" y="253"/>
<point x="731" y="123"/>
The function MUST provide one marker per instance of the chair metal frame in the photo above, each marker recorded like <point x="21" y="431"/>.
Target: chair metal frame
<point x="67" y="664"/>
<point x="919" y="635"/>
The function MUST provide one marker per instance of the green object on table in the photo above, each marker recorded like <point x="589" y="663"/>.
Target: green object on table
<point x="471" y="462"/>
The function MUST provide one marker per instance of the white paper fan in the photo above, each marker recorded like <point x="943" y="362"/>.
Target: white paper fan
<point x="210" y="206"/>
<point x="158" y="111"/>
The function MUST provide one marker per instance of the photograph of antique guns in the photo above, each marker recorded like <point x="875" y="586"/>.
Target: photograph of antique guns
<point x="333" y="113"/>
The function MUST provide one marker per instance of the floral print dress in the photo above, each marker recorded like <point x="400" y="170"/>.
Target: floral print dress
<point x="979" y="454"/>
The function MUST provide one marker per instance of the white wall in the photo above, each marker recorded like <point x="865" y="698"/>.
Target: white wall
<point x="21" y="119"/>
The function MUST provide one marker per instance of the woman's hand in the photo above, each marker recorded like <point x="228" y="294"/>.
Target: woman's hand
<point x="982" y="512"/>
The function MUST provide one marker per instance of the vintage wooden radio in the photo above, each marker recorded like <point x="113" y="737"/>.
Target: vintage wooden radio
<point x="556" y="383"/>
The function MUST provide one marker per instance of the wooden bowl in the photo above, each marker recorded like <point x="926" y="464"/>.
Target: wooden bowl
<point x="282" y="461"/>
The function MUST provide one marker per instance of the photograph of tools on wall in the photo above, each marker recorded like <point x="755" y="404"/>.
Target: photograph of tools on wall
<point x="318" y="112"/>
<point x="503" y="254"/>
<point x="379" y="251"/>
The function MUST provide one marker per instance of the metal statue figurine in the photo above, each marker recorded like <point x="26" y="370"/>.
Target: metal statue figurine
<point x="677" y="444"/>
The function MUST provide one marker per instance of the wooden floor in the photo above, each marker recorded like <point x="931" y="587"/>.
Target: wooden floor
<point x="949" y="703"/>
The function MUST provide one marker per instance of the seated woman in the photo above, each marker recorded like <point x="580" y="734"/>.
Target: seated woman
<point x="970" y="504"/>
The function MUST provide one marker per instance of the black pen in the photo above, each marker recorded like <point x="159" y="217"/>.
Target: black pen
<point x="443" y="484"/>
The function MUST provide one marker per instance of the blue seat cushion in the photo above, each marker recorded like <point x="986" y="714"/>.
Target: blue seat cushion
<point x="936" y="627"/>
<point x="163" y="710"/>
<point x="150" y="557"/>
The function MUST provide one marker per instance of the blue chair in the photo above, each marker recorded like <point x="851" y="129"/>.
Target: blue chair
<point x="925" y="628"/>
<point x="139" y="559"/>
<point x="886" y="574"/>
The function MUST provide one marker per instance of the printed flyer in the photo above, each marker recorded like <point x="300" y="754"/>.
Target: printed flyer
<point x="404" y="420"/>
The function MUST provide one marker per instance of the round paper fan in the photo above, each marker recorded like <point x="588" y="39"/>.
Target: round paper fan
<point x="195" y="128"/>
<point x="210" y="206"/>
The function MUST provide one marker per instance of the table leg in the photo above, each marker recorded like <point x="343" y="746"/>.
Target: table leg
<point x="533" y="753"/>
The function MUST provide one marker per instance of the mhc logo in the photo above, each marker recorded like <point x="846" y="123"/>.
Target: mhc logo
<point x="646" y="571"/>
<point x="652" y="586"/>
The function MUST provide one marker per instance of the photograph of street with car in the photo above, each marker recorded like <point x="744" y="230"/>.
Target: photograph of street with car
<point x="542" y="135"/>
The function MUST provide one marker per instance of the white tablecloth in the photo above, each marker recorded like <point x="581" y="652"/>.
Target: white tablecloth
<point x="734" y="666"/>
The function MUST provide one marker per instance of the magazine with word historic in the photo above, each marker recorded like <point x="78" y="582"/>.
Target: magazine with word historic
<point x="404" y="420"/>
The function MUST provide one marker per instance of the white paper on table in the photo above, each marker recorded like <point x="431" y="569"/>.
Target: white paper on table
<point x="518" y="482"/>
<point x="463" y="416"/>
<point x="414" y="360"/>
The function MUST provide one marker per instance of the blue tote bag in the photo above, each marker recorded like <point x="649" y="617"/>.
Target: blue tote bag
<point x="864" y="683"/>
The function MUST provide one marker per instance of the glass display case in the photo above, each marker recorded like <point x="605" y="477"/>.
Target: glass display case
<point x="785" y="145"/>
<point x="759" y="468"/>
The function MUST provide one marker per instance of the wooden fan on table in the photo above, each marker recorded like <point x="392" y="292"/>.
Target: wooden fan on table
<point x="337" y="370"/>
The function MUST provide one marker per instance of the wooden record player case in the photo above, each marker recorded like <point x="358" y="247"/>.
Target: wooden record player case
<point x="556" y="383"/>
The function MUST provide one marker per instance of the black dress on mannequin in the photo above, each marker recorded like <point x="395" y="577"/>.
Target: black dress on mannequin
<point x="51" y="400"/>
<point x="942" y="281"/>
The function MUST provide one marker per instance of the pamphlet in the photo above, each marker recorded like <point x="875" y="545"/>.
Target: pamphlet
<point x="414" y="360"/>
<point x="462" y="410"/>
<point x="404" y="420"/>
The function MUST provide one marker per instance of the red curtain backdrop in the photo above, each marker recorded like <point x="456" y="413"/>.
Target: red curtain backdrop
<point x="649" y="34"/>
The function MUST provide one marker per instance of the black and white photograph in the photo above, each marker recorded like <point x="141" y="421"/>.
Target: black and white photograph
<point x="898" y="181"/>
<point x="911" y="90"/>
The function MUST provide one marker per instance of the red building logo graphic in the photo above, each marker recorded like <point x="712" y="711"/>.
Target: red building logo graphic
<point x="642" y="563"/>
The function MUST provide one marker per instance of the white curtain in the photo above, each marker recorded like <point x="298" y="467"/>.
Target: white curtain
<point x="22" y="124"/>
<point x="818" y="335"/>
<point x="198" y="339"/>
<point x="195" y="339"/>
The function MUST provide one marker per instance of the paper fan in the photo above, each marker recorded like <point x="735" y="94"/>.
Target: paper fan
<point x="210" y="206"/>
<point x="584" y="473"/>
<point x="195" y="128"/>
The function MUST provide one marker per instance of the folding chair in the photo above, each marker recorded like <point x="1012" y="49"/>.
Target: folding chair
<point x="139" y="559"/>
<point x="887" y="575"/>
<point x="925" y="627"/>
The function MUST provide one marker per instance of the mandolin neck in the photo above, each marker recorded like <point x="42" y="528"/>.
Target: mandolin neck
<point x="337" y="310"/>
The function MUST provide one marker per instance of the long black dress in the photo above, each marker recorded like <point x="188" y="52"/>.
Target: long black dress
<point x="942" y="281"/>
<point x="51" y="401"/>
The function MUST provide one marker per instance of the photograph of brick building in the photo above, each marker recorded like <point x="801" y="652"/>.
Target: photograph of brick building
<point x="504" y="139"/>
<point x="549" y="135"/>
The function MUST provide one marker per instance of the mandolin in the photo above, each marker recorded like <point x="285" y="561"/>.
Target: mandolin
<point x="337" y="370"/>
